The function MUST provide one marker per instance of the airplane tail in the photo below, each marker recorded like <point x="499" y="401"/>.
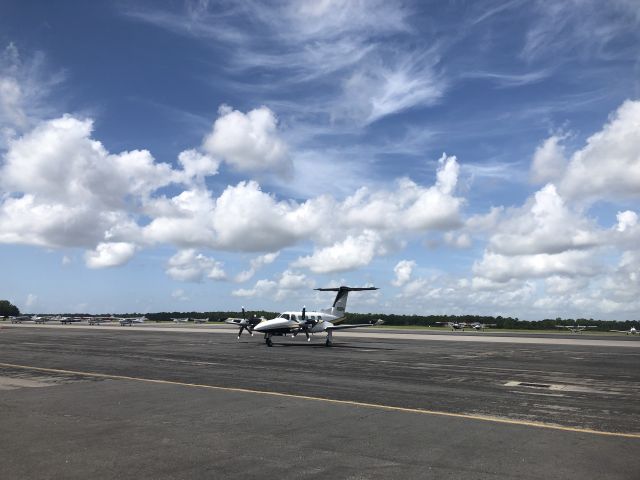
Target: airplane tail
<point x="339" y="306"/>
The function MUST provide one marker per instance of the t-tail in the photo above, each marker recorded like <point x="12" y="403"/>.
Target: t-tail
<point x="339" y="306"/>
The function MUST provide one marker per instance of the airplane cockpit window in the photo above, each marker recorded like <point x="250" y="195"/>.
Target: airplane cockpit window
<point x="284" y="315"/>
<point x="319" y="317"/>
<point x="293" y="317"/>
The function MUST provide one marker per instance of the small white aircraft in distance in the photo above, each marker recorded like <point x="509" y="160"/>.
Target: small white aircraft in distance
<point x="576" y="328"/>
<point x="454" y="325"/>
<point x="181" y="320"/>
<point x="66" y="320"/>
<point x="631" y="331"/>
<point x="325" y="320"/>
<point x="40" y="319"/>
<point x="99" y="320"/>
<point x="477" y="326"/>
<point x="20" y="318"/>
<point x="132" y="321"/>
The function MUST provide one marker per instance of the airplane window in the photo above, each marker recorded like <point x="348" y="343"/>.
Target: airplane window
<point x="285" y="316"/>
<point x="293" y="317"/>
<point x="312" y="317"/>
<point x="319" y="317"/>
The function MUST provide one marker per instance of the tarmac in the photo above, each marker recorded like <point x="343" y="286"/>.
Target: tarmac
<point x="193" y="402"/>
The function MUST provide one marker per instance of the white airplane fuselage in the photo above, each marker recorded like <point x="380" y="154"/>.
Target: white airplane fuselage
<point x="287" y="321"/>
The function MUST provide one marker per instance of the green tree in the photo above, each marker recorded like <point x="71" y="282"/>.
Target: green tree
<point x="8" y="309"/>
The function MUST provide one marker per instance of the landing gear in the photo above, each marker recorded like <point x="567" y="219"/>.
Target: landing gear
<point x="329" y="340"/>
<point x="267" y="338"/>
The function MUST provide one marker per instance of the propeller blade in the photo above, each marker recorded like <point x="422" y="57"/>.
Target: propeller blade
<point x="240" y="332"/>
<point x="304" y="313"/>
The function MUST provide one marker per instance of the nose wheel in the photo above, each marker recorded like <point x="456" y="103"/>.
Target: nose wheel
<point x="267" y="339"/>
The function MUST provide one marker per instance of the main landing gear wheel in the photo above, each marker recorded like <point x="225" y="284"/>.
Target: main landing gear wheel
<point x="269" y="342"/>
<point x="329" y="338"/>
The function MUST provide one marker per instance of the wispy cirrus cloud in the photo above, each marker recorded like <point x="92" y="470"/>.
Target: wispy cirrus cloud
<point x="25" y="86"/>
<point x="506" y="80"/>
<point x="562" y="29"/>
<point x="362" y="57"/>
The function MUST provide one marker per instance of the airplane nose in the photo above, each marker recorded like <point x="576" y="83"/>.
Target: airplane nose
<point x="257" y="328"/>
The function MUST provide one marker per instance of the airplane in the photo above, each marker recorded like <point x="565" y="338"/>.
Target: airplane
<point x="20" y="318"/>
<point x="39" y="319"/>
<point x="66" y="320"/>
<point x="576" y="328"/>
<point x="200" y="320"/>
<point x="245" y="323"/>
<point x="477" y="326"/>
<point x="181" y="320"/>
<point x="631" y="331"/>
<point x="99" y="320"/>
<point x="131" y="321"/>
<point x="294" y="322"/>
<point x="455" y="325"/>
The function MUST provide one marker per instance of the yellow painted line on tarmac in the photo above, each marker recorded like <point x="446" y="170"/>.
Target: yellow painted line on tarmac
<point x="484" y="418"/>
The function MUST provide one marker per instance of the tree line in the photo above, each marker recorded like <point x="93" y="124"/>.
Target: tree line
<point x="411" y="320"/>
<point x="8" y="309"/>
<point x="499" y="321"/>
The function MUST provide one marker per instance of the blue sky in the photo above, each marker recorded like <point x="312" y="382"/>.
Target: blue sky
<point x="465" y="157"/>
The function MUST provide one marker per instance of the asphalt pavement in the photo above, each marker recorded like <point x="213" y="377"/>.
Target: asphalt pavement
<point x="140" y="403"/>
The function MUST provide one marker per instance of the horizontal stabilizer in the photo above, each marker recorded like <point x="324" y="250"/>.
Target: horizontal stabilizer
<point x="346" y="289"/>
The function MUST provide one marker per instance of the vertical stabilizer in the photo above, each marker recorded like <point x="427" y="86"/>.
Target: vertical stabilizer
<point x="339" y="306"/>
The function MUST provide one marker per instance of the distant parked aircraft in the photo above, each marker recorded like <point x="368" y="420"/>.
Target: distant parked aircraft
<point x="455" y="325"/>
<point x="576" y="328"/>
<point x="99" y="320"/>
<point x="133" y="321"/>
<point x="20" y="318"/>
<point x="66" y="320"/>
<point x="631" y="331"/>
<point x="481" y="326"/>
<point x="181" y="320"/>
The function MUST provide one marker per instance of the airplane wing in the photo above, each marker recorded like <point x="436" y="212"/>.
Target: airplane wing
<point x="360" y="325"/>
<point x="234" y="320"/>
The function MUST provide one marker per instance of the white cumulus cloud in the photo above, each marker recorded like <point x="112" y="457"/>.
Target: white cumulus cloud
<point x="256" y="264"/>
<point x="351" y="253"/>
<point x="403" y="271"/>
<point x="249" y="142"/>
<point x="110" y="254"/>
<point x="545" y="224"/>
<point x="190" y="266"/>
<point x="67" y="190"/>
<point x="609" y="165"/>
<point x="549" y="161"/>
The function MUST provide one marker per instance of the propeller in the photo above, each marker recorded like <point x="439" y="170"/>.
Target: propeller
<point x="305" y="324"/>
<point x="246" y="324"/>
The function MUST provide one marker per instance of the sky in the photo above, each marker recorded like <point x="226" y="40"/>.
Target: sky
<point x="465" y="157"/>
